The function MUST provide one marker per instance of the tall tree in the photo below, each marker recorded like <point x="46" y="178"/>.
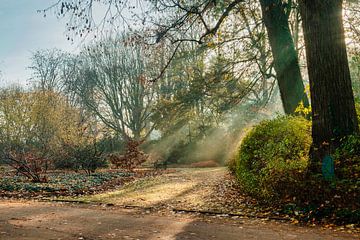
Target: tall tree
<point x="333" y="108"/>
<point x="286" y="64"/>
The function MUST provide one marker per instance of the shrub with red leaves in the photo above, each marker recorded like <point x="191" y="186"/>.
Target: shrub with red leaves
<point x="132" y="158"/>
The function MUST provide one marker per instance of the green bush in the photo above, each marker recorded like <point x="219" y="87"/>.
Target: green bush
<point x="83" y="157"/>
<point x="273" y="157"/>
<point x="66" y="163"/>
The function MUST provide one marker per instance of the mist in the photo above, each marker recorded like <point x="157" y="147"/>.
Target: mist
<point x="219" y="143"/>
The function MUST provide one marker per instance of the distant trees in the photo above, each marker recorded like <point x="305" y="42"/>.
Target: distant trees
<point x="112" y="83"/>
<point x="53" y="70"/>
<point x="34" y="125"/>
<point x="47" y="66"/>
<point x="108" y="79"/>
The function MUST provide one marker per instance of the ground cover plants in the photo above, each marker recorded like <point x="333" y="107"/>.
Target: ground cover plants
<point x="67" y="183"/>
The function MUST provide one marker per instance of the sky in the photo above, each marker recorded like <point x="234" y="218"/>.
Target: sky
<point x="23" y="31"/>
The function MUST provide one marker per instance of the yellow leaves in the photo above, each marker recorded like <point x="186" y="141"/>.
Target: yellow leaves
<point x="301" y="109"/>
<point x="294" y="221"/>
<point x="211" y="45"/>
<point x="307" y="90"/>
<point x="43" y="116"/>
<point x="214" y="40"/>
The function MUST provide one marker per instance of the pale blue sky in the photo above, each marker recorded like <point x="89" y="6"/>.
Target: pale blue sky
<point x="23" y="31"/>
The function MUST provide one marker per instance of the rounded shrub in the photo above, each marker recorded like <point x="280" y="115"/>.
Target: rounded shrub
<point x="273" y="157"/>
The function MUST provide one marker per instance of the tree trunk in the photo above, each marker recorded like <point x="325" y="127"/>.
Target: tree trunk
<point x="333" y="107"/>
<point x="286" y="63"/>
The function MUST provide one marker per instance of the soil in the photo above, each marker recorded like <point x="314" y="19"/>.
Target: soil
<point x="39" y="220"/>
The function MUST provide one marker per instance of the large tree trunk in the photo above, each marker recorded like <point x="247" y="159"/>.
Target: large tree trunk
<point x="286" y="62"/>
<point x="333" y="107"/>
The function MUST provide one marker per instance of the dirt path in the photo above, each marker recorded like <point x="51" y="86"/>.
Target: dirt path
<point x="181" y="188"/>
<point x="35" y="221"/>
<point x="206" y="189"/>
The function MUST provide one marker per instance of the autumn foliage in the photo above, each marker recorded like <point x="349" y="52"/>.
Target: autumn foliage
<point x="39" y="127"/>
<point x="132" y="158"/>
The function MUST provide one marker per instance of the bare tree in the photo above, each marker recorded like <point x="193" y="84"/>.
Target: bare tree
<point x="47" y="69"/>
<point x="111" y="82"/>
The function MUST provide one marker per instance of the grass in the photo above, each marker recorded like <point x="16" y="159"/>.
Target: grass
<point x="185" y="186"/>
<point x="143" y="192"/>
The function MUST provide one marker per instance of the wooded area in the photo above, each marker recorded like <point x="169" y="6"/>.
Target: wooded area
<point x="268" y="88"/>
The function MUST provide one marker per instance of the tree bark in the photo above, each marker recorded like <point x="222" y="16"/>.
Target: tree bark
<point x="286" y="63"/>
<point x="333" y="107"/>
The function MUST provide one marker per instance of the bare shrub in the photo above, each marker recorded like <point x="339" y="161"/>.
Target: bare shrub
<point x="28" y="165"/>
